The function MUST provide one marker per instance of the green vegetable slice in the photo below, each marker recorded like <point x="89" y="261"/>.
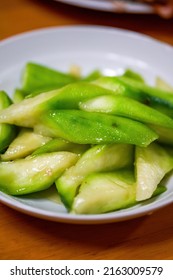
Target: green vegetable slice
<point x="58" y="144"/>
<point x="137" y="90"/>
<point x="152" y="164"/>
<point x="32" y="174"/>
<point x="24" y="144"/>
<point x="106" y="192"/>
<point x="126" y="107"/>
<point x="94" y="128"/>
<point x="37" y="78"/>
<point x="7" y="132"/>
<point x="97" y="158"/>
<point x="27" y="112"/>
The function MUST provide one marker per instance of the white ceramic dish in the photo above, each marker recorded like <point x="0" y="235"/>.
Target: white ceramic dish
<point x="111" y="6"/>
<point x="90" y="47"/>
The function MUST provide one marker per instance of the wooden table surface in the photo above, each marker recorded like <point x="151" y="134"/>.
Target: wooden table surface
<point x="25" y="237"/>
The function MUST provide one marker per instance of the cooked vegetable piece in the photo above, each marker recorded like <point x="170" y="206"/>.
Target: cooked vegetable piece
<point x="35" y="173"/>
<point x="152" y="164"/>
<point x="97" y="158"/>
<point x="163" y="109"/>
<point x="93" y="76"/>
<point x="115" y="84"/>
<point x="126" y="107"/>
<point x="160" y="83"/>
<point x="154" y="94"/>
<point x="27" y="112"/>
<point x="137" y="90"/>
<point x="94" y="128"/>
<point x="75" y="70"/>
<point x="24" y="144"/>
<point x="38" y="78"/>
<point x="129" y="73"/>
<point x="165" y="134"/>
<point x="18" y="95"/>
<point x="82" y="112"/>
<point x="105" y="192"/>
<point x="7" y="132"/>
<point x="58" y="144"/>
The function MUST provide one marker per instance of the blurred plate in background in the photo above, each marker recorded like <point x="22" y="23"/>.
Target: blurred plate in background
<point x="111" y="5"/>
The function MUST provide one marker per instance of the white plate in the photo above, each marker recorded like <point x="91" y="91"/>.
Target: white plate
<point x="90" y="47"/>
<point x="111" y="6"/>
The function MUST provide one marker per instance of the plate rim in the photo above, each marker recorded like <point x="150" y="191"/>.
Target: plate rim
<point x="90" y="27"/>
<point x="84" y="218"/>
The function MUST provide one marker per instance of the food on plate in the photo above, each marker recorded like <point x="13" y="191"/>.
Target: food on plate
<point x="99" y="158"/>
<point x="24" y="144"/>
<point x="104" y="143"/>
<point x="35" y="173"/>
<point x="109" y="191"/>
<point x="7" y="131"/>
